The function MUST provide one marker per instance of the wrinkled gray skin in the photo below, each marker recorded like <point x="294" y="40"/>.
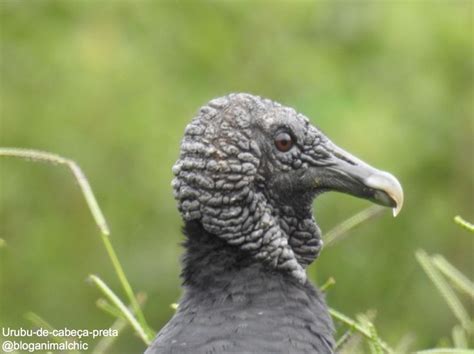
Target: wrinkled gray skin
<point x="247" y="209"/>
<point x="233" y="180"/>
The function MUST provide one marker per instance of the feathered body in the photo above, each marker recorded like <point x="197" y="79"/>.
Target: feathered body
<point x="233" y="304"/>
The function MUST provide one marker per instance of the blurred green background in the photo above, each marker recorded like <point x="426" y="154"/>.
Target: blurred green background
<point x="113" y="84"/>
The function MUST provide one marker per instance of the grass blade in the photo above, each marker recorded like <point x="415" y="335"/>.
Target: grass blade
<point x="376" y="342"/>
<point x="42" y="156"/>
<point x="338" y="232"/>
<point x="457" y="278"/>
<point x="459" y="337"/>
<point x="329" y="283"/>
<point x="465" y="224"/>
<point x="120" y="306"/>
<point x="352" y="345"/>
<point x="353" y="325"/>
<point x="445" y="351"/>
<point x="343" y="339"/>
<point x="126" y="286"/>
<point x="39" y="322"/>
<point x="105" y="306"/>
<point x="349" y="322"/>
<point x="444" y="289"/>
<point x="106" y="342"/>
<point x="405" y="343"/>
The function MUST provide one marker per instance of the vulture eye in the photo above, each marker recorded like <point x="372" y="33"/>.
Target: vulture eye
<point x="283" y="142"/>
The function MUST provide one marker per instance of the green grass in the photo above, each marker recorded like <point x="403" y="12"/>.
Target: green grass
<point x="135" y="317"/>
<point x="437" y="268"/>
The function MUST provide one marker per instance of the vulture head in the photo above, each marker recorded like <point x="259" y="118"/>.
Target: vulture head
<point x="249" y="170"/>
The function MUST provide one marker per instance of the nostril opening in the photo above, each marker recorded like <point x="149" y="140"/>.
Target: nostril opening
<point x="344" y="158"/>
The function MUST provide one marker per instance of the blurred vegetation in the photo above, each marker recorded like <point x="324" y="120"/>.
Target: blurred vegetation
<point x="113" y="84"/>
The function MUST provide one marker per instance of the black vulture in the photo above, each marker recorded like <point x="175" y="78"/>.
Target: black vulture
<point x="248" y="172"/>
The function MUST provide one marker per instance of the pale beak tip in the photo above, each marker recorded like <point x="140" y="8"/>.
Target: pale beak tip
<point x="397" y="196"/>
<point x="396" y="211"/>
<point x="389" y="185"/>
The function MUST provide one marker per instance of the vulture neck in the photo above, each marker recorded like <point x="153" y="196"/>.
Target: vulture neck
<point x="267" y="307"/>
<point x="213" y="267"/>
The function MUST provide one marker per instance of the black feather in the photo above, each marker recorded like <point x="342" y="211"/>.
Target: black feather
<point x="235" y="304"/>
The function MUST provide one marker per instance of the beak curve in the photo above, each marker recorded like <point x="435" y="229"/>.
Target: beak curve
<point x="345" y="173"/>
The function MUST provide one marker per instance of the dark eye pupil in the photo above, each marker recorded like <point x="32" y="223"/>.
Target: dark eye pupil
<point x="283" y="142"/>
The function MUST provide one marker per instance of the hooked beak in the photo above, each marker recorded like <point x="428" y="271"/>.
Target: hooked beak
<point x="345" y="173"/>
